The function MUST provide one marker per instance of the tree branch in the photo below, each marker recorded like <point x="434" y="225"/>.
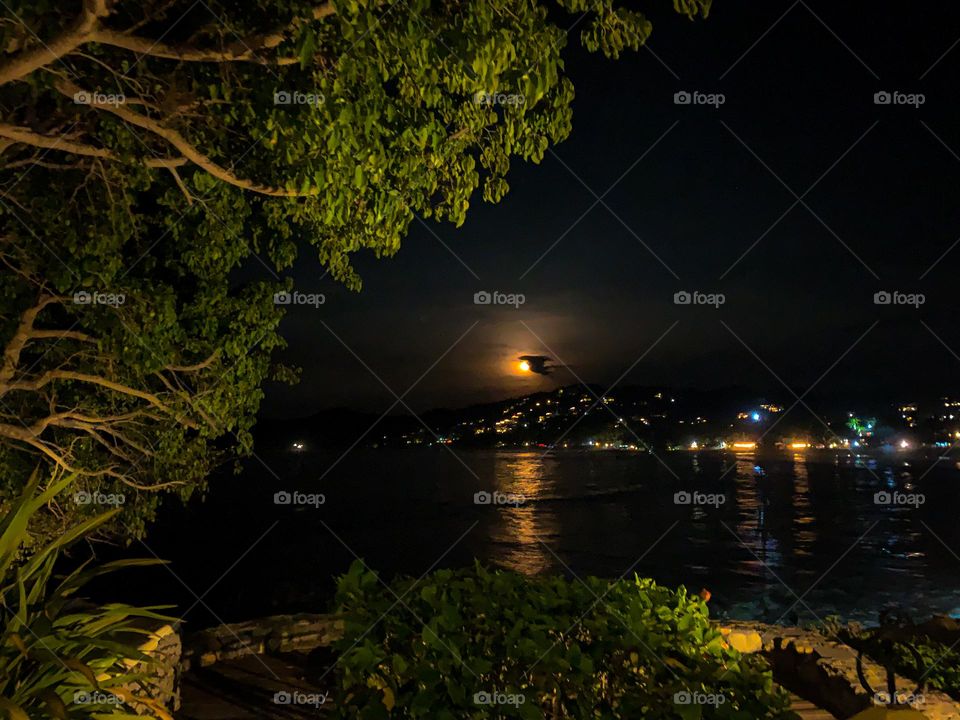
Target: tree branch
<point x="61" y="335"/>
<point x="241" y="51"/>
<point x="181" y="185"/>
<point x="52" y="375"/>
<point x="28" y="137"/>
<point x="70" y="39"/>
<point x="37" y="162"/>
<point x="203" y="364"/>
<point x="11" y="353"/>
<point x="87" y="28"/>
<point x="187" y="149"/>
<point x="23" y="435"/>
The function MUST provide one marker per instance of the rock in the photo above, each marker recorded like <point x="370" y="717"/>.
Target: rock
<point x="882" y="713"/>
<point x="745" y="642"/>
<point x="160" y="684"/>
<point x="275" y="634"/>
<point x="942" y="628"/>
<point x="824" y="671"/>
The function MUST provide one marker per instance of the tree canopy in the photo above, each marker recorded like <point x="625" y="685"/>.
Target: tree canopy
<point x="150" y="149"/>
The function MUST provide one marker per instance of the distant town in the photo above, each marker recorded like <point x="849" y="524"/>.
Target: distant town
<point x="637" y="418"/>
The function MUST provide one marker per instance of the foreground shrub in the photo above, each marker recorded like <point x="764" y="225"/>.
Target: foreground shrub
<point x="482" y="644"/>
<point x="60" y="657"/>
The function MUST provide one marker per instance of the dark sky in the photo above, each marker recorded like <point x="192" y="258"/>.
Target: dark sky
<point x="880" y="205"/>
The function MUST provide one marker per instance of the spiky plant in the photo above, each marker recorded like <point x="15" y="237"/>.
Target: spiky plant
<point x="61" y="657"/>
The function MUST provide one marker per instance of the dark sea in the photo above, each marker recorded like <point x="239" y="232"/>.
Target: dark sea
<point x="785" y="537"/>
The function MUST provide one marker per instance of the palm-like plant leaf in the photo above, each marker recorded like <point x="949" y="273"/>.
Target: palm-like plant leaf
<point x="61" y="659"/>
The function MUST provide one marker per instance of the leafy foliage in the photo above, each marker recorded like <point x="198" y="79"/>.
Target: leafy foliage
<point x="358" y="115"/>
<point x="133" y="398"/>
<point x="158" y="150"/>
<point x="597" y="649"/>
<point x="60" y="657"/>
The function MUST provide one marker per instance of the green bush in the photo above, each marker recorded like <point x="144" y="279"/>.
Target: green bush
<point x="59" y="657"/>
<point x="547" y="648"/>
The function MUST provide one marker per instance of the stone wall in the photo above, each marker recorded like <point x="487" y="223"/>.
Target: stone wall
<point x="279" y="633"/>
<point x="824" y="671"/>
<point x="161" y="682"/>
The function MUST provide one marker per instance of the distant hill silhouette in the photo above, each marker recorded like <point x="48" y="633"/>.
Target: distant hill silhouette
<point x="341" y="427"/>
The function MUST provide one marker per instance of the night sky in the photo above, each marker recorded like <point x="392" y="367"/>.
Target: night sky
<point x="686" y="192"/>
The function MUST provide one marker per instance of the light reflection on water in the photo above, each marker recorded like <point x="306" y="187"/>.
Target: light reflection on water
<point x="805" y="526"/>
<point x="524" y="530"/>
<point x="799" y="537"/>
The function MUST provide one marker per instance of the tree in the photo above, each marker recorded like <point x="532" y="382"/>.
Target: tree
<point x="150" y="149"/>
